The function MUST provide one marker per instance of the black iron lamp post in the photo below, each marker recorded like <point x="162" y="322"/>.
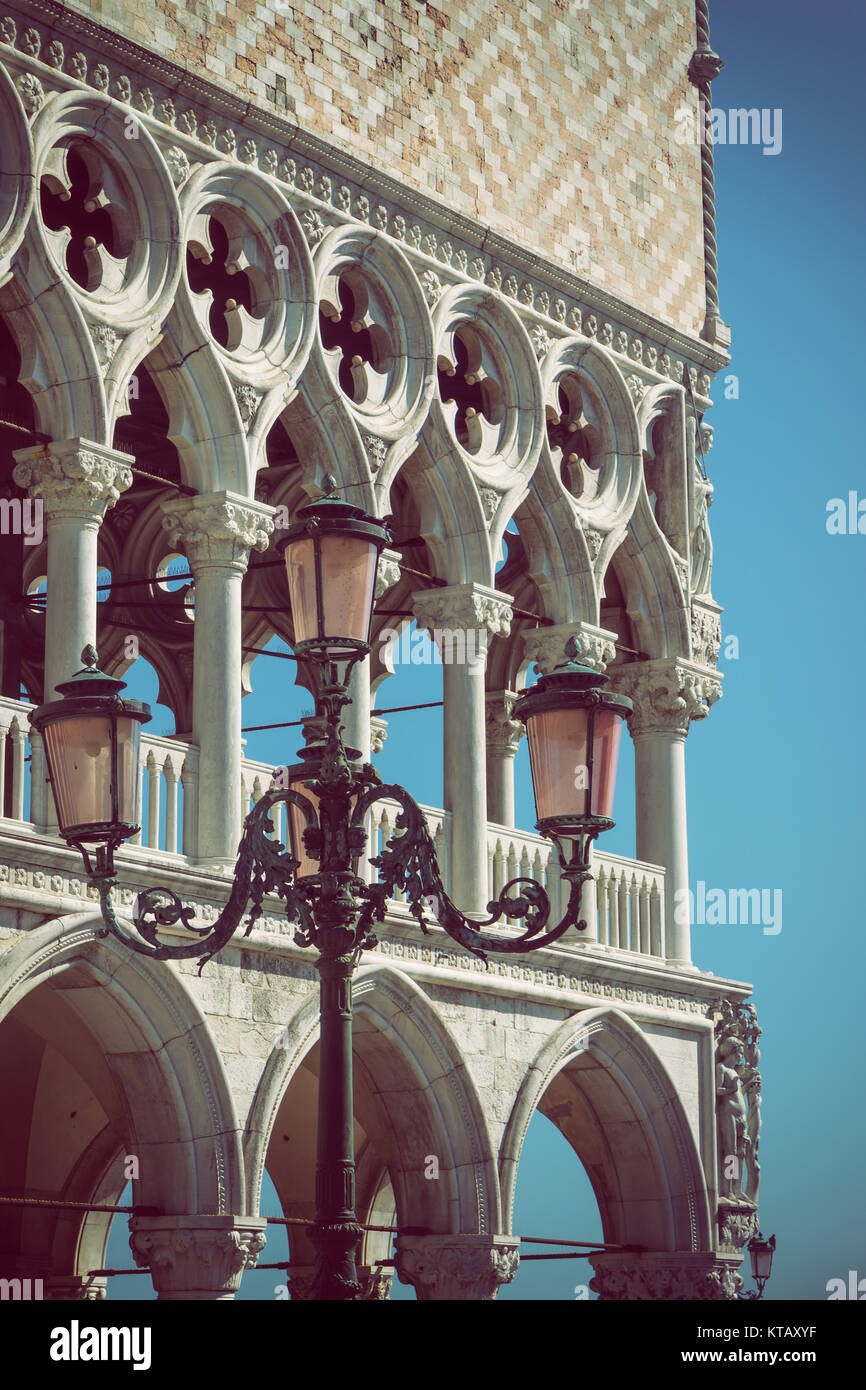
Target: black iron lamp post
<point x="761" y="1253"/>
<point x="331" y="557"/>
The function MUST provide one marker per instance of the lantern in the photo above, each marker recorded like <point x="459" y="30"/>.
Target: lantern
<point x="92" y="740"/>
<point x="761" y="1255"/>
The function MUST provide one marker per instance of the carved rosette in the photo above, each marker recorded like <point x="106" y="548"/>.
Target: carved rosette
<point x="193" y="1257"/>
<point x="667" y="694"/>
<point x="217" y="530"/>
<point x="665" y="1277"/>
<point x="503" y="732"/>
<point x="546" y="645"/>
<point x="464" y="608"/>
<point x="76" y="480"/>
<point x="388" y="573"/>
<point x="456" y="1267"/>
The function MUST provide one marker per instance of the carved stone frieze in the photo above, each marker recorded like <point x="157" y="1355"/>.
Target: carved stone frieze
<point x="665" y="1277"/>
<point x="706" y="628"/>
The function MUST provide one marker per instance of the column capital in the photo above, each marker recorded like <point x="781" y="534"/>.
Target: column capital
<point x="667" y="694"/>
<point x="217" y="530"/>
<point x="503" y="732"/>
<point x="76" y="479"/>
<point x="666" y="1276"/>
<point x="464" y="607"/>
<point x="197" y="1257"/>
<point x="378" y="733"/>
<point x="388" y="573"/>
<point x="456" y="1267"/>
<point x="546" y="645"/>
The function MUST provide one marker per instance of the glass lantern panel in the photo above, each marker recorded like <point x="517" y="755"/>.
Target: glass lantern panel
<point x="348" y="577"/>
<point x="557" y="754"/>
<point x="301" y="573"/>
<point x="297" y="824"/>
<point x="79" y="751"/>
<point x="605" y="755"/>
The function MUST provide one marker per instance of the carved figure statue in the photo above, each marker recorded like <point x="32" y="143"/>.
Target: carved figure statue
<point x="730" y="1117"/>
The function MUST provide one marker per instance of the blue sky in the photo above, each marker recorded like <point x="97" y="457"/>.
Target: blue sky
<point x="775" y="775"/>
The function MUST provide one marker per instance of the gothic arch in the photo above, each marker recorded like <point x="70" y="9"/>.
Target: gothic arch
<point x="160" y="1082"/>
<point x="615" y="1103"/>
<point x="416" y="1098"/>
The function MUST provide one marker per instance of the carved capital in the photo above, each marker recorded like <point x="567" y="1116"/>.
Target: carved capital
<point x="378" y="733"/>
<point x="196" y="1257"/>
<point x="546" y="645"/>
<point x="218" y="529"/>
<point x="77" y="480"/>
<point x="464" y="608"/>
<point x="388" y="573"/>
<point x="737" y="1224"/>
<point x="375" y="1282"/>
<point x="667" y="694"/>
<point x="456" y="1267"/>
<point x="503" y="732"/>
<point x="667" y="1277"/>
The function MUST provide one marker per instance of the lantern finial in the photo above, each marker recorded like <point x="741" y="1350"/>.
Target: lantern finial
<point x="90" y="657"/>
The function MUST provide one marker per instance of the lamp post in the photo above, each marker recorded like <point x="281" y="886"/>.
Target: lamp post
<point x="761" y="1253"/>
<point x="91" y="736"/>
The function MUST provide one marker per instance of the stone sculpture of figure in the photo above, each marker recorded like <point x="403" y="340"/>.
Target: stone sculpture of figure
<point x="730" y="1118"/>
<point x="701" y="541"/>
<point x="752" y="1086"/>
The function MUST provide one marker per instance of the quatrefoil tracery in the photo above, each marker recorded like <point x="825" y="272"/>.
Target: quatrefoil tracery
<point x="218" y="264"/>
<point x="80" y="206"/>
<point x="349" y="323"/>
<point x="572" y="435"/>
<point x="464" y="379"/>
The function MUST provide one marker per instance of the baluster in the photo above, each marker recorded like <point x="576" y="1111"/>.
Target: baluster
<point x="498" y="869"/>
<point x="152" y="800"/>
<point x="557" y="887"/>
<point x="657" y="920"/>
<point x="4" y="731"/>
<point x="623" y="912"/>
<point x="18" y="755"/>
<point x="644" y="915"/>
<point x="513" y="866"/>
<point x="38" y="781"/>
<point x="171" y="784"/>
<point x="136" y="838"/>
<point x="189" y="782"/>
<point x="538" y="867"/>
<point x="491" y="867"/>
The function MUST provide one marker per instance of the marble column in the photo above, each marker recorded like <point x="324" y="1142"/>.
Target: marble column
<point x="216" y="533"/>
<point x="76" y="482"/>
<point x="461" y="619"/>
<point x="667" y="694"/>
<point x="196" y="1258"/>
<point x="456" y="1267"/>
<point x="503" y="737"/>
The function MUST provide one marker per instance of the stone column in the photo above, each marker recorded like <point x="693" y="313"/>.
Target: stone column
<point x="196" y="1258"/>
<point x="503" y="737"/>
<point x="216" y="533"/>
<point x="462" y="1268"/>
<point x="667" y="1276"/>
<point x="77" y="481"/>
<point x="667" y="695"/>
<point x="461" y="619"/>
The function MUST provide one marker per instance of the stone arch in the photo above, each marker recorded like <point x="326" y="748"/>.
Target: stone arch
<point x="160" y="1080"/>
<point x="414" y="1098"/>
<point x="622" y="1114"/>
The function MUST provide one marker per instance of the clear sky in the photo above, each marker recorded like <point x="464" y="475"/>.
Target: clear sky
<point x="775" y="775"/>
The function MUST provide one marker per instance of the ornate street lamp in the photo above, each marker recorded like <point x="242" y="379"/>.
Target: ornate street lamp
<point x="761" y="1256"/>
<point x="331" y="558"/>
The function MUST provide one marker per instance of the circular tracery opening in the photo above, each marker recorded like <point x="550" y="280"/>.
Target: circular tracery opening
<point x="571" y="434"/>
<point x="77" y="202"/>
<point x="218" y="265"/>
<point x="465" y="378"/>
<point x="350" y="323"/>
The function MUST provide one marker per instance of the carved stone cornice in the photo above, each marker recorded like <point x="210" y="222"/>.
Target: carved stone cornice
<point x="546" y="645"/>
<point x="464" y="608"/>
<point x="207" y="1254"/>
<point x="666" y="1277"/>
<point x="667" y="694"/>
<point x="456" y="1267"/>
<point x="217" y="530"/>
<point x="388" y="573"/>
<point x="503" y="732"/>
<point x="76" y="479"/>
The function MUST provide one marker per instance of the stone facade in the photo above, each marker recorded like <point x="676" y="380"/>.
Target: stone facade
<point x="241" y="254"/>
